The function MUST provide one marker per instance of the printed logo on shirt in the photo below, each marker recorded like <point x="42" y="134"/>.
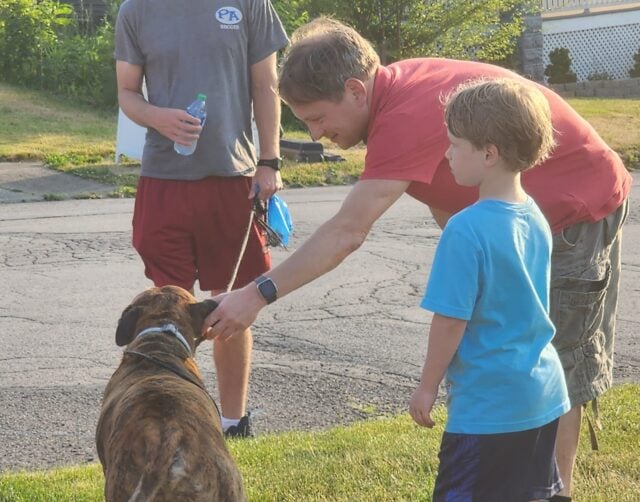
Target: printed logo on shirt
<point x="229" y="17"/>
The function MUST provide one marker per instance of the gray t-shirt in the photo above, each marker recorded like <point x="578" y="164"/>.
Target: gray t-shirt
<point x="200" y="46"/>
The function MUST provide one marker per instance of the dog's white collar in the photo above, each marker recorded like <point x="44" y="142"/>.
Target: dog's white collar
<point x="167" y="328"/>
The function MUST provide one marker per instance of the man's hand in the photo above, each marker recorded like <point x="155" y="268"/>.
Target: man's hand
<point x="265" y="183"/>
<point x="421" y="405"/>
<point x="173" y="123"/>
<point x="235" y="313"/>
<point x="177" y="125"/>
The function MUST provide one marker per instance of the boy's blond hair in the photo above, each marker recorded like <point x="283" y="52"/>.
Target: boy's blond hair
<point x="510" y="114"/>
<point x="323" y="54"/>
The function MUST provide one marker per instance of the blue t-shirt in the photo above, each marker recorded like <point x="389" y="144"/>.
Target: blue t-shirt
<point x="492" y="269"/>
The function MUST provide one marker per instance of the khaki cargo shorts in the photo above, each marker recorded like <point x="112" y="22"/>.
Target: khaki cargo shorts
<point x="585" y="276"/>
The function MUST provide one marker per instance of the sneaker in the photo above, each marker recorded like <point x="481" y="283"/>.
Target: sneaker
<point x="242" y="430"/>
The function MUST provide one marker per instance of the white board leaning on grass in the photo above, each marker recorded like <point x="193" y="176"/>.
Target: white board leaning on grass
<point x="129" y="138"/>
<point x="129" y="135"/>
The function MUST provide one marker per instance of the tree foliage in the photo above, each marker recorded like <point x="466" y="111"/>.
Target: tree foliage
<point x="43" y="45"/>
<point x="292" y="13"/>
<point x="558" y="71"/>
<point x="28" y="32"/>
<point x="464" y="29"/>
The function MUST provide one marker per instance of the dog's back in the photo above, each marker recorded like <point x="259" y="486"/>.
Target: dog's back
<point x="159" y="436"/>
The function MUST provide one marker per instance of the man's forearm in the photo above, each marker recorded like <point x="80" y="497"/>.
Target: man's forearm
<point x="266" y="110"/>
<point x="136" y="107"/>
<point x="329" y="245"/>
<point x="340" y="236"/>
<point x="266" y="106"/>
<point x="322" y="252"/>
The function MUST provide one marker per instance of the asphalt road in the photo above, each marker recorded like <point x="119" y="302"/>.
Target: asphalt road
<point x="345" y="347"/>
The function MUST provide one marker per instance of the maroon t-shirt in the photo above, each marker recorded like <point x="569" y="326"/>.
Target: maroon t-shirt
<point x="584" y="180"/>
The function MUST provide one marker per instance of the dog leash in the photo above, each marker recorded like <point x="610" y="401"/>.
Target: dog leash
<point x="184" y="376"/>
<point x="593" y="424"/>
<point x="243" y="247"/>
<point x="273" y="239"/>
<point x="172" y="329"/>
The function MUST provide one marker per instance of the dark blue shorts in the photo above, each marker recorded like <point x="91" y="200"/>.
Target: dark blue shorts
<point x="510" y="467"/>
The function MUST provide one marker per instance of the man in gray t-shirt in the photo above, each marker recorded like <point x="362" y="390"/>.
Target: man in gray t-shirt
<point x="191" y="212"/>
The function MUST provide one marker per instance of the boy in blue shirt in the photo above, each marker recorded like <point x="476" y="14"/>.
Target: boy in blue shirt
<point x="489" y="292"/>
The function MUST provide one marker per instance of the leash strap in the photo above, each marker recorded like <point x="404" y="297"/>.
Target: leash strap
<point x="243" y="248"/>
<point x="593" y="425"/>
<point x="258" y="212"/>
<point x="185" y="376"/>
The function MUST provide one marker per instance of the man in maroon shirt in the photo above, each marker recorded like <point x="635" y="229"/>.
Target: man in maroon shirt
<point x="333" y="81"/>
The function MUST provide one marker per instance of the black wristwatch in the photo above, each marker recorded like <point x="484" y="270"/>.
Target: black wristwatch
<point x="272" y="163"/>
<point x="267" y="289"/>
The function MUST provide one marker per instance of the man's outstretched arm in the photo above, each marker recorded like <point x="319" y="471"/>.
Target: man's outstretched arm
<point x="327" y="247"/>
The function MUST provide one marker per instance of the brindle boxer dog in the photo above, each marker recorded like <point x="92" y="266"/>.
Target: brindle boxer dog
<point x="159" y="436"/>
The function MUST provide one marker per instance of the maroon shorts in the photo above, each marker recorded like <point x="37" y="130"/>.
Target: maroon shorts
<point x="193" y="230"/>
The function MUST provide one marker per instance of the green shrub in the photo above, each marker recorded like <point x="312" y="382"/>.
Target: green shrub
<point x="82" y="67"/>
<point x="29" y="30"/>
<point x="559" y="69"/>
<point x="599" y="75"/>
<point x="41" y="47"/>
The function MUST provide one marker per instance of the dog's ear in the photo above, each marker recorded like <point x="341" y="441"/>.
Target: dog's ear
<point x="199" y="311"/>
<point x="127" y="325"/>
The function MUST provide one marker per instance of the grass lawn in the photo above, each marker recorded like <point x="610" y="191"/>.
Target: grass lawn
<point x="81" y="140"/>
<point x="618" y="122"/>
<point x="38" y="126"/>
<point x="377" y="460"/>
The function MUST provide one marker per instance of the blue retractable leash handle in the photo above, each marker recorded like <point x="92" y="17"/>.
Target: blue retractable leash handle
<point x="275" y="219"/>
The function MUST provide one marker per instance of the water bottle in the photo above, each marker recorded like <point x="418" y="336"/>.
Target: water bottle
<point x="197" y="109"/>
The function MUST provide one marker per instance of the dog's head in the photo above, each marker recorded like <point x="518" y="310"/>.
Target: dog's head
<point x="158" y="306"/>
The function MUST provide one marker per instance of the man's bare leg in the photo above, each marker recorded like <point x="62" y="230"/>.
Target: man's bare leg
<point x="567" y="446"/>
<point x="232" y="359"/>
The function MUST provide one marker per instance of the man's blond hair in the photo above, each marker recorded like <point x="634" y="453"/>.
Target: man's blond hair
<point x="322" y="56"/>
<point x="512" y="115"/>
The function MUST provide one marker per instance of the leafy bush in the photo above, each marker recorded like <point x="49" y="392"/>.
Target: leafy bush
<point x="599" y="75"/>
<point x="559" y="69"/>
<point x="28" y="32"/>
<point x="292" y="13"/>
<point x="635" y="71"/>
<point x="82" y="67"/>
<point x="41" y="47"/>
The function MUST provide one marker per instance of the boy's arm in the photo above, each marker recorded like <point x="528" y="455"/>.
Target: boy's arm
<point x="444" y="338"/>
